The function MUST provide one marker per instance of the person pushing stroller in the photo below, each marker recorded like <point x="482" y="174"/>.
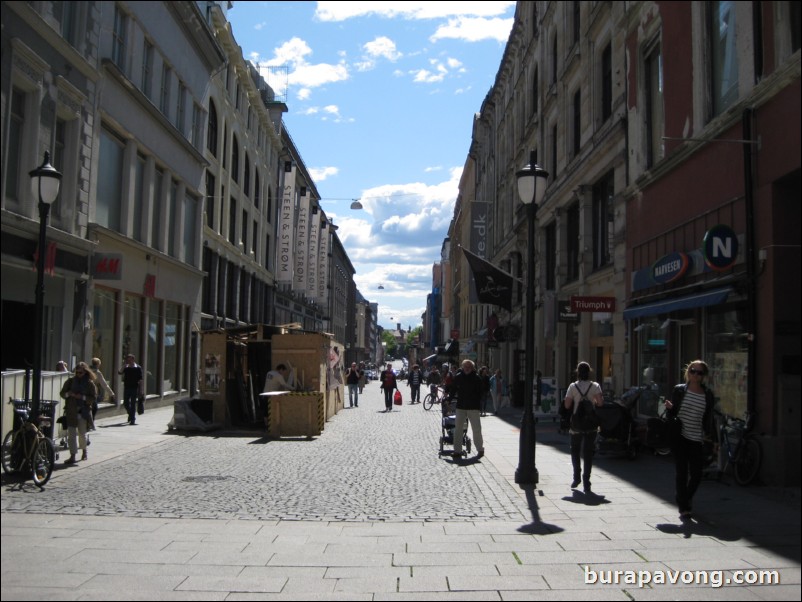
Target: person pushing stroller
<point x="468" y="388"/>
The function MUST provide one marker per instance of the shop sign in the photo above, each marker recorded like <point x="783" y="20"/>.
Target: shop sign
<point x="107" y="266"/>
<point x="720" y="247"/>
<point x="566" y="314"/>
<point x="670" y="267"/>
<point x="592" y="304"/>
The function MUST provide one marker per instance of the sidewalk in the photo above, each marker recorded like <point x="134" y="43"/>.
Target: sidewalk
<point x="630" y="525"/>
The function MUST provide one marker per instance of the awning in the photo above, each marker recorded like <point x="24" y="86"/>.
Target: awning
<point x="668" y="305"/>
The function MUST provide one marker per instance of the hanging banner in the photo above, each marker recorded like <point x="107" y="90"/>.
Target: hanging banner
<point x="302" y="244"/>
<point x="323" y="262"/>
<point x="286" y="226"/>
<point x="479" y="211"/>
<point x="493" y="286"/>
<point x="314" y="238"/>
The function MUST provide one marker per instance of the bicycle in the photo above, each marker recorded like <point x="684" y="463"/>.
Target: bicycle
<point x="434" y="399"/>
<point x="743" y="451"/>
<point x="27" y="446"/>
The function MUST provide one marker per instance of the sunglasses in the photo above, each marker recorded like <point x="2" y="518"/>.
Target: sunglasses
<point x="697" y="372"/>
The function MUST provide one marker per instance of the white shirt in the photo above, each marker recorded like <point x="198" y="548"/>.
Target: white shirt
<point x="275" y="382"/>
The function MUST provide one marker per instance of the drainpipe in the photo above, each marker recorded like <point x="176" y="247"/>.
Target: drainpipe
<point x="749" y="199"/>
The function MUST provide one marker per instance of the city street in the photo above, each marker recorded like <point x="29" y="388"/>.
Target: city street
<point x="370" y="510"/>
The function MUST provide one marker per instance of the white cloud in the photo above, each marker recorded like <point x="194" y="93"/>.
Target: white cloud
<point x="341" y="11"/>
<point x="319" y="174"/>
<point x="474" y="29"/>
<point x="382" y="47"/>
<point x="293" y="54"/>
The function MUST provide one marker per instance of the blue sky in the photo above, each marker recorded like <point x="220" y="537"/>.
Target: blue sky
<point x="381" y="98"/>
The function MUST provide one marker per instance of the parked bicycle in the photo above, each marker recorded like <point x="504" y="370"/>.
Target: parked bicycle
<point x="434" y="399"/>
<point x="742" y="448"/>
<point x="28" y="447"/>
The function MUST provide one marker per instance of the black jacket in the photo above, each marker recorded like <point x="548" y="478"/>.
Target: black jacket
<point x="469" y="390"/>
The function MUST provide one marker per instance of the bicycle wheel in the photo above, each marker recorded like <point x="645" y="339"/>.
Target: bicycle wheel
<point x="43" y="458"/>
<point x="428" y="402"/>
<point x="12" y="454"/>
<point x="748" y="464"/>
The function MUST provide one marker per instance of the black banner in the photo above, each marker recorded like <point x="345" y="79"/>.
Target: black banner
<point x="493" y="286"/>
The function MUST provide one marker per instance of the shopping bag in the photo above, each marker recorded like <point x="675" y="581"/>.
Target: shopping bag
<point x="140" y="405"/>
<point x="397" y="400"/>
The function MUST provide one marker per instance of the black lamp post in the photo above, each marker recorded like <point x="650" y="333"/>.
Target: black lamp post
<point x="531" y="188"/>
<point x="45" y="182"/>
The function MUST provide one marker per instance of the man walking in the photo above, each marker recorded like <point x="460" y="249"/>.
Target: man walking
<point x="468" y="388"/>
<point x="414" y="381"/>
<point x="352" y="378"/>
<point x="133" y="381"/>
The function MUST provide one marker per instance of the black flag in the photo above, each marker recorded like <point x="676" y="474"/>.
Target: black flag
<point x="493" y="286"/>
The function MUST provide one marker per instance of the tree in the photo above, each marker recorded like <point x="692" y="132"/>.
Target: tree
<point x="392" y="345"/>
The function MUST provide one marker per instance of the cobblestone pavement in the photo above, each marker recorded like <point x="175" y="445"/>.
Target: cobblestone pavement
<point x="366" y="465"/>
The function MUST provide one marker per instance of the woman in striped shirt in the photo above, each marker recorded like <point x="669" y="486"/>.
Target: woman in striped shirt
<point x="691" y="402"/>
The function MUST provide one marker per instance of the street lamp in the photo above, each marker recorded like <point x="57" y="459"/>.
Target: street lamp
<point x="356" y="205"/>
<point x="531" y="188"/>
<point x="45" y="182"/>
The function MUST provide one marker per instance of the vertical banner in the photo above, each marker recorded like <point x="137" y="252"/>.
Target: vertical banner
<point x="286" y="214"/>
<point x="479" y="210"/>
<point x="314" y="238"/>
<point x="323" y="262"/>
<point x="302" y="244"/>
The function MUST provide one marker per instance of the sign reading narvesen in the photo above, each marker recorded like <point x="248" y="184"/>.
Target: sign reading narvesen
<point x="592" y="304"/>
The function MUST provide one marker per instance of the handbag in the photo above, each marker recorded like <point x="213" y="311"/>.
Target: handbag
<point x="397" y="399"/>
<point x="140" y="405"/>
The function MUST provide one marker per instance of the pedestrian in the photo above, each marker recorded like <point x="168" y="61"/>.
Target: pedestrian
<point x="363" y="377"/>
<point x="467" y="386"/>
<point x="583" y="441"/>
<point x="79" y="392"/>
<point x="276" y="380"/>
<point x="484" y="374"/>
<point x="433" y="380"/>
<point x="692" y="403"/>
<point x="352" y="378"/>
<point x="414" y="381"/>
<point x="389" y="383"/>
<point x="448" y="380"/>
<point x="133" y="385"/>
<point x="497" y="386"/>
<point x="61" y="366"/>
<point x="104" y="391"/>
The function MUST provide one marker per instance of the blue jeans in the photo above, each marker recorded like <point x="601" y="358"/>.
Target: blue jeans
<point x="353" y="394"/>
<point x="130" y="397"/>
<point x="414" y="393"/>
<point x="583" y="446"/>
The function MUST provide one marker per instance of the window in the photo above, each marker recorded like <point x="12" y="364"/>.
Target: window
<point x="551" y="257"/>
<point x="139" y="197"/>
<point x="246" y="179"/>
<point x="535" y="91"/>
<point x="210" y="204"/>
<point x="164" y="91"/>
<point x="15" y="137"/>
<point x="235" y="159"/>
<point x="119" y="38"/>
<point x="211" y="134"/>
<point x="103" y="322"/>
<point x="603" y="222"/>
<point x="158" y="203"/>
<point x="244" y="231"/>
<point x="173" y="339"/>
<point x="110" y="178"/>
<point x="723" y="55"/>
<point x="190" y="215"/>
<point x="554" y="153"/>
<point x="232" y="221"/>
<point x="257" y="191"/>
<point x="253" y="238"/>
<point x="607" y="83"/>
<point x="153" y="378"/>
<point x="181" y="102"/>
<point x="132" y="326"/>
<point x="147" y="68"/>
<point x="197" y="125"/>
<point x="577" y="121"/>
<point x="576" y="21"/>
<point x="554" y="60"/>
<point x="172" y="220"/>
<point x="572" y="244"/>
<point x="653" y="76"/>
<point x="69" y="21"/>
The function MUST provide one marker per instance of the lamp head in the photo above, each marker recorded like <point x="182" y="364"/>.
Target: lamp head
<point x="45" y="181"/>
<point x="531" y="183"/>
<point x="356" y="205"/>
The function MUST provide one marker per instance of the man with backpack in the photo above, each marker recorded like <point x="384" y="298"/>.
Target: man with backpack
<point x="582" y="398"/>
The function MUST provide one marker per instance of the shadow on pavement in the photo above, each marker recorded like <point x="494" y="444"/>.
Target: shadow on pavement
<point x="537" y="526"/>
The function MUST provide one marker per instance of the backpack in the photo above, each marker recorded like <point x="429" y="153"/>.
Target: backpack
<point x="584" y="418"/>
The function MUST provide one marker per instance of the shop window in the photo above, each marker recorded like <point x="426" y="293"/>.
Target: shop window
<point x="152" y="378"/>
<point x="103" y="319"/>
<point x="132" y="327"/>
<point x="726" y="352"/>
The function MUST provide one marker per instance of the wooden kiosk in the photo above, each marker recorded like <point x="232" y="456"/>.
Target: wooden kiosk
<point x="235" y="365"/>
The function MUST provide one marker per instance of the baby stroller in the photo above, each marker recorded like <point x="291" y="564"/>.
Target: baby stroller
<point x="449" y="423"/>
<point x="618" y="429"/>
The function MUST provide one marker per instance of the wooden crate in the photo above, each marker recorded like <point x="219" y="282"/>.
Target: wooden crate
<point x="294" y="414"/>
